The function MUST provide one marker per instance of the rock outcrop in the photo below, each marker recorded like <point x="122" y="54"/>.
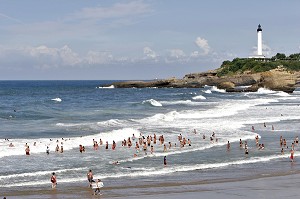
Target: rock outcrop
<point x="277" y="79"/>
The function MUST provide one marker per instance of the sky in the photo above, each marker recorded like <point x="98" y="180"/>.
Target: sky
<point x="138" y="39"/>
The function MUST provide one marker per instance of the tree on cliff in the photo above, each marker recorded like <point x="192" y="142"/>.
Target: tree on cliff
<point x="279" y="56"/>
<point x="240" y="65"/>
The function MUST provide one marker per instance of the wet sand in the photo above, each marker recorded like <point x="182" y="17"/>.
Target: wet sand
<point x="283" y="185"/>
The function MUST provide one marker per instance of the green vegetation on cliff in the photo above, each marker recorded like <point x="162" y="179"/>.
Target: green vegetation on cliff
<point x="255" y="65"/>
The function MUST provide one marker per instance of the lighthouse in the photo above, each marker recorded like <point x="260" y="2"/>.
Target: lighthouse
<point x="259" y="54"/>
<point x="259" y="41"/>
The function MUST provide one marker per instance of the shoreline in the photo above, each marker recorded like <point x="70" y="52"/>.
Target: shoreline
<point x="235" y="188"/>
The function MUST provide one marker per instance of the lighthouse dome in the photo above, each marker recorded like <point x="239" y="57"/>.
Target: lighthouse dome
<point x="259" y="28"/>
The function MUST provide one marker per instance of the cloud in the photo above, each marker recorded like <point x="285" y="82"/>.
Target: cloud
<point x="195" y="54"/>
<point x="203" y="44"/>
<point x="47" y="57"/>
<point x="11" y="18"/>
<point x="94" y="57"/>
<point x="266" y="50"/>
<point x="177" y="53"/>
<point x="149" y="53"/>
<point x="44" y="57"/>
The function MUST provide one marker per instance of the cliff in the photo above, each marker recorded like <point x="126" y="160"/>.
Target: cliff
<point x="278" y="79"/>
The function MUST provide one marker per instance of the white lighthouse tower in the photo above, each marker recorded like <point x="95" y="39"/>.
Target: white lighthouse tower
<point x="259" y="41"/>
<point x="259" y="44"/>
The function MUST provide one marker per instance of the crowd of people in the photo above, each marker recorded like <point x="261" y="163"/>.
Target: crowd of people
<point x="144" y="145"/>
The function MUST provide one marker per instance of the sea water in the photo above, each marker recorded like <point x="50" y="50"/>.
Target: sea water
<point x="73" y="113"/>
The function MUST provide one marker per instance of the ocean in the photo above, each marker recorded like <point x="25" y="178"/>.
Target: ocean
<point x="73" y="113"/>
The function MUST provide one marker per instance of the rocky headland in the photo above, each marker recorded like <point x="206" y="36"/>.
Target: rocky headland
<point x="278" y="79"/>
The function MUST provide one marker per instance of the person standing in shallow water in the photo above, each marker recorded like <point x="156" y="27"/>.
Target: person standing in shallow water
<point x="27" y="150"/>
<point x="53" y="181"/>
<point x="90" y="177"/>
<point x="292" y="155"/>
<point x="165" y="160"/>
<point x="228" y="146"/>
<point x="47" y="150"/>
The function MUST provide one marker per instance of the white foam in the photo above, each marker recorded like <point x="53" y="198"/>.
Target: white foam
<point x="173" y="169"/>
<point x="182" y="102"/>
<point x="265" y="91"/>
<point x="152" y="102"/>
<point x="72" y="124"/>
<point x="107" y="87"/>
<point x="282" y="94"/>
<point x="160" y="117"/>
<point x="186" y="118"/>
<point x="111" y="122"/>
<point x="207" y="91"/>
<point x="226" y="109"/>
<point x="270" y="119"/>
<point x="198" y="97"/>
<point x="43" y="182"/>
<point x="40" y="173"/>
<point x="215" y="89"/>
<point x="68" y="143"/>
<point x="248" y="86"/>
<point x="57" y="99"/>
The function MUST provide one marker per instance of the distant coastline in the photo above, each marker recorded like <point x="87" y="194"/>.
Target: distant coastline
<point x="279" y="73"/>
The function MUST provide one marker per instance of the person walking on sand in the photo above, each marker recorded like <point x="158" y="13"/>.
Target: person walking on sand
<point x="99" y="184"/>
<point x="53" y="180"/>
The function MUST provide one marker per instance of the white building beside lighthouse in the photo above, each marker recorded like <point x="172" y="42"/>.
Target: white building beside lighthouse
<point x="259" y="43"/>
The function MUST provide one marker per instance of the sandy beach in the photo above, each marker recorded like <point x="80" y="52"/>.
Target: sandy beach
<point x="284" y="185"/>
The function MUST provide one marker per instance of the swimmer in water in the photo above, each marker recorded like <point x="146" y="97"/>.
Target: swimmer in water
<point x="189" y="142"/>
<point x="116" y="162"/>
<point x="228" y="146"/>
<point x="165" y="148"/>
<point x="47" y="150"/>
<point x="152" y="149"/>
<point x="241" y="143"/>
